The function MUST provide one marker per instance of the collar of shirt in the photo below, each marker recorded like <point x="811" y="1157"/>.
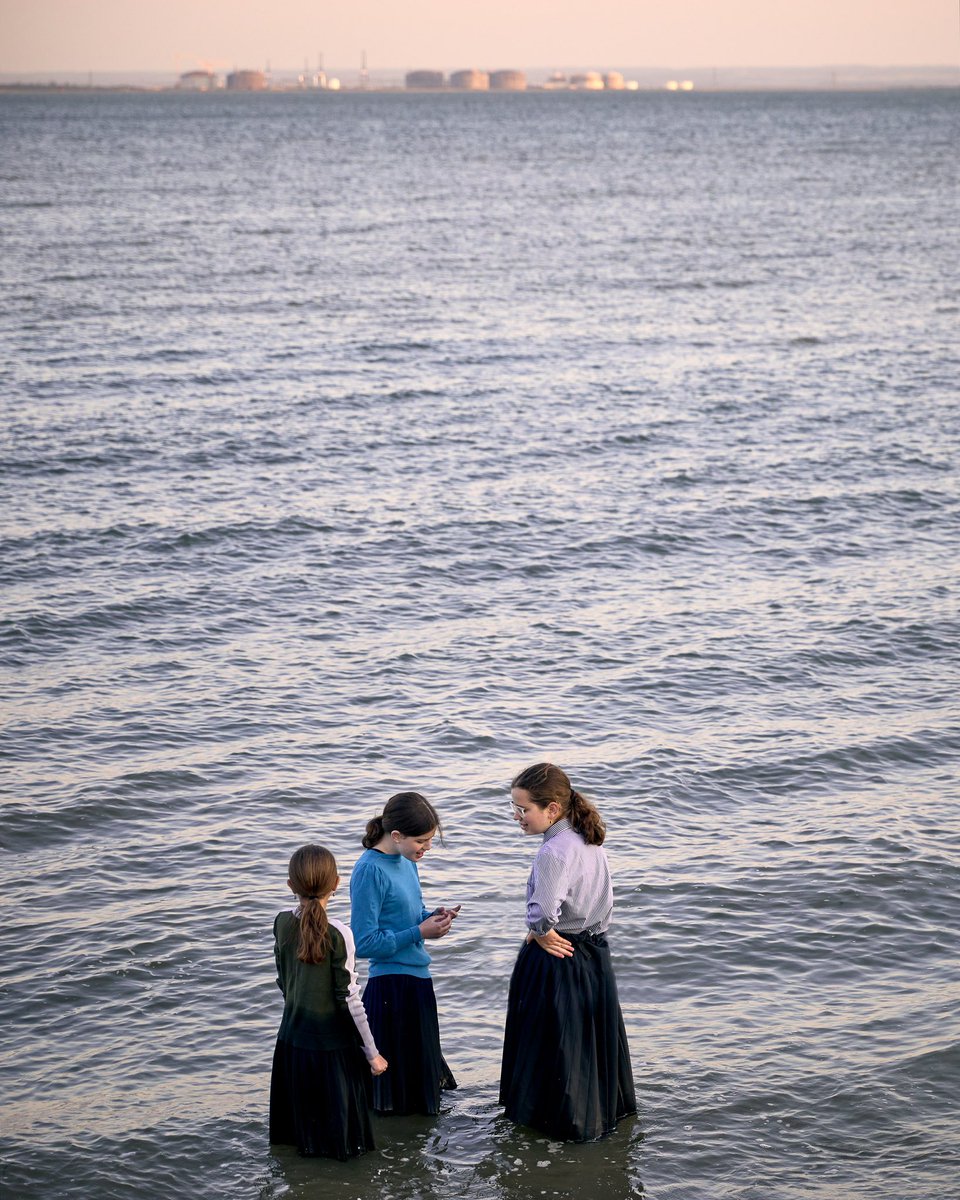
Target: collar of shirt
<point x="557" y="827"/>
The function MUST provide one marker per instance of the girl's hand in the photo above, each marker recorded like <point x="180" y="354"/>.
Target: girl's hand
<point x="378" y="1065"/>
<point x="436" y="925"/>
<point x="552" y="942"/>
<point x="449" y="912"/>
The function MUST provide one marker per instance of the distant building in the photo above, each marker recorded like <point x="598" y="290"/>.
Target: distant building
<point x="316" y="79"/>
<point x="588" y="81"/>
<point x="424" y="80"/>
<point x="197" y="81"/>
<point x="246" y="81"/>
<point x="470" y="81"/>
<point x="508" y="81"/>
<point x="613" y="81"/>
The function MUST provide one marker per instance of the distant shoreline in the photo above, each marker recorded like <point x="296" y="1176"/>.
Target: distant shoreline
<point x="644" y="89"/>
<point x="658" y="77"/>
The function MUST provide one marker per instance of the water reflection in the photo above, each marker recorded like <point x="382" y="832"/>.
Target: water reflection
<point x="472" y="1152"/>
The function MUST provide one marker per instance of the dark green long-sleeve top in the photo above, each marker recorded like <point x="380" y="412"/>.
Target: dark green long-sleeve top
<point x="322" y="1009"/>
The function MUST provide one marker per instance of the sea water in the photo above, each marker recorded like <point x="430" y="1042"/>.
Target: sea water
<point x="357" y="443"/>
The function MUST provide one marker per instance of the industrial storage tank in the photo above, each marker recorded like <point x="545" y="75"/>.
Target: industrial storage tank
<point x="587" y="81"/>
<point x="508" y="81"/>
<point x="470" y="81"/>
<point x="424" y="80"/>
<point x="246" y="81"/>
<point x="197" y="81"/>
<point x="613" y="81"/>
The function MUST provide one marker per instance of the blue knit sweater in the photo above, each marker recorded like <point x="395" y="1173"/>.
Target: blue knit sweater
<point x="386" y="908"/>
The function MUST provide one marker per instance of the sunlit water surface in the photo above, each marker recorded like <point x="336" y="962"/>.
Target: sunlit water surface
<point x="357" y="443"/>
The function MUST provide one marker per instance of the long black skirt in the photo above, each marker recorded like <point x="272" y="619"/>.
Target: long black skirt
<point x="402" y="1011"/>
<point x="320" y="1101"/>
<point x="566" y="1063"/>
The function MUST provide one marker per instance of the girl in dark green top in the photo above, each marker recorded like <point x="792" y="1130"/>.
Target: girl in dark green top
<point x="320" y="1087"/>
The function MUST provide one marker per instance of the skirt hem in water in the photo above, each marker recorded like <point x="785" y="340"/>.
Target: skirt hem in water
<point x="320" y="1101"/>
<point x="566" y="1063"/>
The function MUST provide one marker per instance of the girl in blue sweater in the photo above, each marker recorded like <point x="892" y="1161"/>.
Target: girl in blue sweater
<point x="390" y="925"/>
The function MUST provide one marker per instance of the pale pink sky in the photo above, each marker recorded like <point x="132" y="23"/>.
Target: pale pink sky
<point x="141" y="35"/>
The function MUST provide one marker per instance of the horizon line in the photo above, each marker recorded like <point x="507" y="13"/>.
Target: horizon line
<point x="823" y="66"/>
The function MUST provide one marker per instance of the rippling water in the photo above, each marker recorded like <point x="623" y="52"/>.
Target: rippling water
<point x="356" y="443"/>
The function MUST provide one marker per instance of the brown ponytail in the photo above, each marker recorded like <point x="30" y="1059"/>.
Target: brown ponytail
<point x="313" y="875"/>
<point x="374" y="833"/>
<point x="409" y="813"/>
<point x="585" y="818"/>
<point x="546" y="784"/>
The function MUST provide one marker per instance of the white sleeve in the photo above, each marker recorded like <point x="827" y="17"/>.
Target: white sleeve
<point x="354" y="1003"/>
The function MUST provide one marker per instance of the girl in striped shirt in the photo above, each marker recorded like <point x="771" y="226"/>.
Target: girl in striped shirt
<point x="566" y="1063"/>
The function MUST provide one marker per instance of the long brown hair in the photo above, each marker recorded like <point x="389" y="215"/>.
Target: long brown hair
<point x="408" y="813"/>
<point x="313" y="875"/>
<point x="545" y="783"/>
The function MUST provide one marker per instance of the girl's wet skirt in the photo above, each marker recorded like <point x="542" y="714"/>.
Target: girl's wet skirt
<point x="566" y="1063"/>
<point x="320" y="1101"/>
<point x="402" y="1011"/>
